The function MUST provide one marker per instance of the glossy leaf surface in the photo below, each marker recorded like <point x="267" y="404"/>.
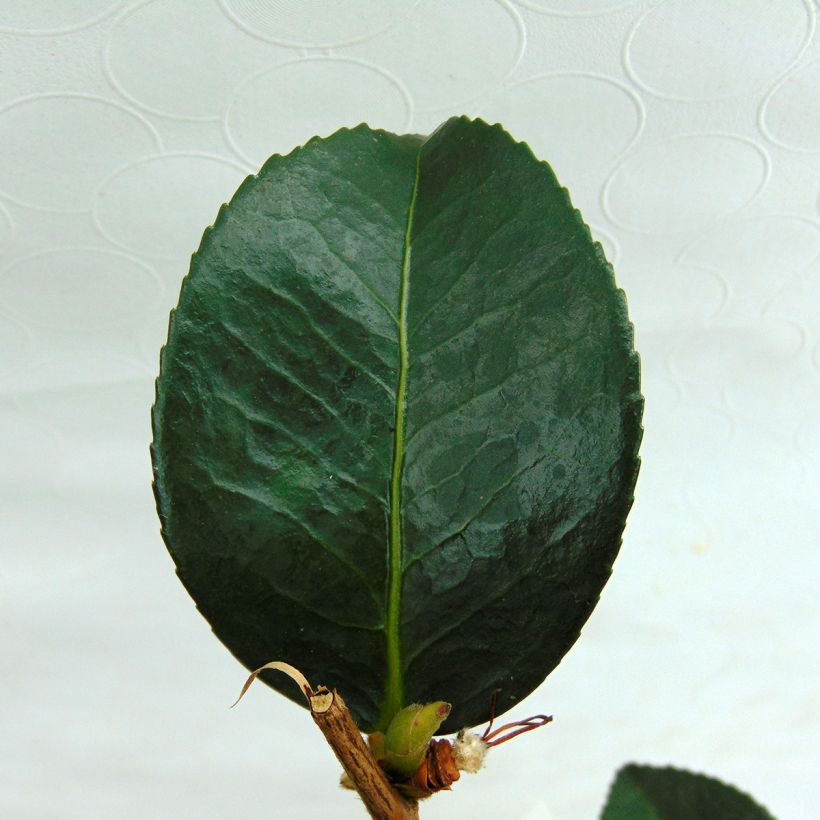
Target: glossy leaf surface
<point x="649" y="793"/>
<point x="397" y="420"/>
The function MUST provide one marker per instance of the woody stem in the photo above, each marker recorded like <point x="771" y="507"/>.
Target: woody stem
<point x="379" y="796"/>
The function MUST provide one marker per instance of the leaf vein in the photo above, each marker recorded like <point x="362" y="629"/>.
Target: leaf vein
<point x="500" y="489"/>
<point x="475" y="261"/>
<point x="335" y="254"/>
<point x="268" y="502"/>
<point x="491" y="389"/>
<point x="431" y="487"/>
<point x="291" y="379"/>
<point x="318" y="331"/>
<point x="303" y="443"/>
<point x="453" y="625"/>
<point x="545" y="280"/>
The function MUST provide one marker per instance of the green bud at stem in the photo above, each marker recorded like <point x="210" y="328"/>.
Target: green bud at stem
<point x="409" y="734"/>
<point x="376" y="743"/>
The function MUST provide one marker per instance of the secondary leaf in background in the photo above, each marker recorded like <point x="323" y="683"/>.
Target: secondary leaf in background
<point x="397" y="420"/>
<point x="650" y="793"/>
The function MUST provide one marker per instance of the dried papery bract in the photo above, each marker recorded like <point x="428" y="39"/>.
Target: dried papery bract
<point x="280" y="666"/>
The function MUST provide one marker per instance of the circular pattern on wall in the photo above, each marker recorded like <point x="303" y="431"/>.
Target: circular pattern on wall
<point x="284" y="107"/>
<point x="685" y="183"/>
<point x="79" y="140"/>
<point x="314" y="23"/>
<point x="472" y="59"/>
<point x="765" y="383"/>
<point x="576" y="8"/>
<point x="30" y="451"/>
<point x="82" y="291"/>
<point x="158" y="207"/>
<point x="41" y="17"/>
<point x="579" y="122"/>
<point x="741" y="45"/>
<point x="674" y="299"/>
<point x="608" y="243"/>
<point x="807" y="438"/>
<point x="790" y="114"/>
<point x="183" y="72"/>
<point x="719" y="358"/>
<point x="750" y="251"/>
<point x="16" y="342"/>
<point x="87" y="398"/>
<point x="6" y="225"/>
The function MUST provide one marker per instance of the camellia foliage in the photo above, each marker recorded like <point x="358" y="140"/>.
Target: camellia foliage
<point x="397" y="420"/>
<point x="651" y="793"/>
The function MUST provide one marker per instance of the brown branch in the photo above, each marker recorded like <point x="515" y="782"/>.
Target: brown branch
<point x="331" y="715"/>
<point x="379" y="796"/>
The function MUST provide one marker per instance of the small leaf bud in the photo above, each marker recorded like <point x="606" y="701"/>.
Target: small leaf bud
<point x="409" y="734"/>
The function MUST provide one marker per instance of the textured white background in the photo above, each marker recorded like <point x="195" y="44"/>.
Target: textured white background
<point x="688" y="132"/>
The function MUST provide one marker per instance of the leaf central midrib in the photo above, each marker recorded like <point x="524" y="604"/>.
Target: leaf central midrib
<point x="394" y="689"/>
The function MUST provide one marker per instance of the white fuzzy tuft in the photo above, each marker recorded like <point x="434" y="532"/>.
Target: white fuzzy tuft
<point x="469" y="751"/>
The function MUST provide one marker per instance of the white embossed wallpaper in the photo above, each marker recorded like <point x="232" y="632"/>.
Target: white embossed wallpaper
<point x="688" y="132"/>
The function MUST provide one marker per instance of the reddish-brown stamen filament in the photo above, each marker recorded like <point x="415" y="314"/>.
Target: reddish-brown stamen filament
<point x="521" y="726"/>
<point x="527" y="725"/>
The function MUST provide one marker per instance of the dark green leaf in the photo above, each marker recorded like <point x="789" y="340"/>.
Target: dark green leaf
<point x="649" y="793"/>
<point x="397" y="420"/>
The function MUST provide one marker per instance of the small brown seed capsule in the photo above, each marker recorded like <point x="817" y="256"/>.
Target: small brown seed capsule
<point x="437" y="772"/>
